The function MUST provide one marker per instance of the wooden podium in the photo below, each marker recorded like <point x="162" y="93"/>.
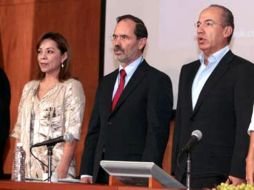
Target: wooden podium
<point x="148" y="174"/>
<point x="152" y="183"/>
<point x="10" y="185"/>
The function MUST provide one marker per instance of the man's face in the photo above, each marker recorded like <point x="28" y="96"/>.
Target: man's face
<point x="127" y="47"/>
<point x="211" y="33"/>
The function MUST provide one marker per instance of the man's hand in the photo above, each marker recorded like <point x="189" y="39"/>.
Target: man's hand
<point x="234" y="180"/>
<point x="86" y="179"/>
<point x="249" y="169"/>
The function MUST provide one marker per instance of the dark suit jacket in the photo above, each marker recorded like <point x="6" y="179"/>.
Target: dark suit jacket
<point x="137" y="129"/>
<point x="4" y="114"/>
<point x="222" y="114"/>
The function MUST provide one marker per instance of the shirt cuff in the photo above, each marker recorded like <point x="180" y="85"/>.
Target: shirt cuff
<point x="82" y="176"/>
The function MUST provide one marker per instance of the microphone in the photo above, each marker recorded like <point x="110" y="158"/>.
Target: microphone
<point x="52" y="142"/>
<point x="196" y="136"/>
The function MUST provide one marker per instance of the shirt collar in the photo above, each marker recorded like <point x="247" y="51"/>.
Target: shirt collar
<point x="214" y="58"/>
<point x="130" y="69"/>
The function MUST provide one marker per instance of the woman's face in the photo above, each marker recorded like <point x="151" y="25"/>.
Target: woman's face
<point x="50" y="58"/>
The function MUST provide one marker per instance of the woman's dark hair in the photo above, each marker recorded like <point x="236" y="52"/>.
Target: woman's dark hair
<point x="63" y="46"/>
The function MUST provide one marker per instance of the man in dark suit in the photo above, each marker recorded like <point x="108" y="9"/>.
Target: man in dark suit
<point x="215" y="97"/>
<point x="136" y="127"/>
<point x="4" y="115"/>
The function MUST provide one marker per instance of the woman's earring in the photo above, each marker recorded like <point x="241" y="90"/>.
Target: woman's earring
<point x="62" y="65"/>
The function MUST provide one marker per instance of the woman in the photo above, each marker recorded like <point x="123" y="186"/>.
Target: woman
<point x="51" y="106"/>
<point x="250" y="156"/>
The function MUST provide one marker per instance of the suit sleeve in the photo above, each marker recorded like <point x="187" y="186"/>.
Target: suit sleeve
<point x="87" y="161"/>
<point x="175" y="145"/>
<point x="5" y="96"/>
<point x="244" y="96"/>
<point x="159" y="113"/>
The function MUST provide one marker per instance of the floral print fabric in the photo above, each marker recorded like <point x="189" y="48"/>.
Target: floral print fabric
<point x="59" y="112"/>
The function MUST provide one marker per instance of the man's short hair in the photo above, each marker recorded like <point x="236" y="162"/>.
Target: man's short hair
<point x="140" y="29"/>
<point x="228" y="18"/>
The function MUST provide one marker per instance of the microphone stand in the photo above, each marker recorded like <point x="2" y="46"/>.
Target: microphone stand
<point x="50" y="153"/>
<point x="188" y="170"/>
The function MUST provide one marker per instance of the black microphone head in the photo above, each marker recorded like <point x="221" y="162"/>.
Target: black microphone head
<point x="68" y="137"/>
<point x="197" y="133"/>
<point x="196" y="136"/>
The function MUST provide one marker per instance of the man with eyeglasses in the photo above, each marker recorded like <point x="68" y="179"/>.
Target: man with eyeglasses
<point x="215" y="96"/>
<point x="133" y="107"/>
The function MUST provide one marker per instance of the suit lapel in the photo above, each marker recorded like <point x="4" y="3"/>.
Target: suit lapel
<point x="109" y="91"/>
<point x="137" y="76"/>
<point x="218" y="72"/>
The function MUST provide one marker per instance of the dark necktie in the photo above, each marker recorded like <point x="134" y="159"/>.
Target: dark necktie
<point x="119" y="89"/>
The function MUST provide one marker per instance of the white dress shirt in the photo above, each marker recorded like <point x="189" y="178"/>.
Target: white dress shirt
<point x="251" y="127"/>
<point x="205" y="71"/>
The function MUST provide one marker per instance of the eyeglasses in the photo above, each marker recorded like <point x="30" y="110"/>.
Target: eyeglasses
<point x="120" y="37"/>
<point x="206" y="24"/>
